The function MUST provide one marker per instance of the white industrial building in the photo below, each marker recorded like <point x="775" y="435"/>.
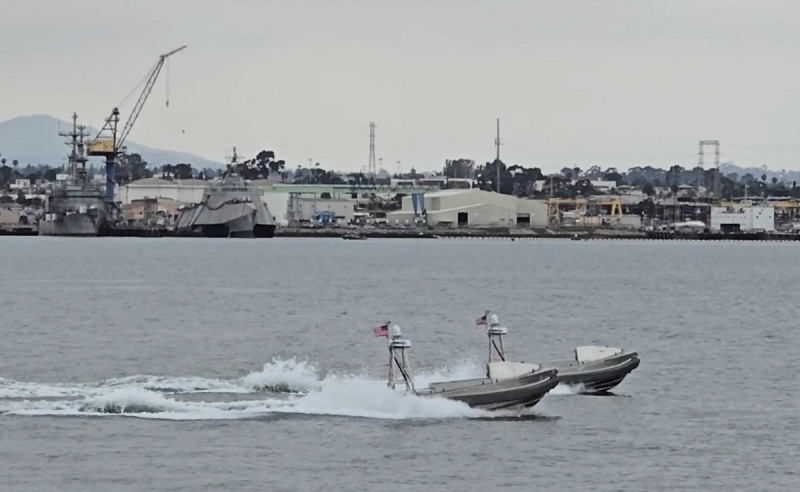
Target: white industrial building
<point x="473" y="208"/>
<point x="189" y="191"/>
<point x="181" y="191"/>
<point x="743" y="218"/>
<point x="307" y="208"/>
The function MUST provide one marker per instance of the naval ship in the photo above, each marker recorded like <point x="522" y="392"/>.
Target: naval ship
<point x="74" y="207"/>
<point x="231" y="207"/>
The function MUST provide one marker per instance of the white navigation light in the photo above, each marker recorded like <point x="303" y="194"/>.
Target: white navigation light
<point x="400" y="343"/>
<point x="494" y="326"/>
<point x="396" y="331"/>
<point x="498" y="330"/>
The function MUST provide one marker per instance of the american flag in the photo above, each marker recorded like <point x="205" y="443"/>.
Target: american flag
<point x="481" y="320"/>
<point x="382" y="331"/>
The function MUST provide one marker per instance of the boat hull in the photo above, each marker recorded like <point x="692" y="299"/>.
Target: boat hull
<point x="77" y="224"/>
<point x="599" y="376"/>
<point x="222" y="230"/>
<point x="492" y="394"/>
<point x="238" y="220"/>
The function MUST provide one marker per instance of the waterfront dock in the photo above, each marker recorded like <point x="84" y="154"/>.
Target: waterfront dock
<point x="135" y="231"/>
<point x="472" y="233"/>
<point x="18" y="230"/>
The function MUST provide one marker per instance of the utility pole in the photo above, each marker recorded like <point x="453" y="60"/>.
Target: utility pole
<point x="497" y="159"/>
<point x="371" y="168"/>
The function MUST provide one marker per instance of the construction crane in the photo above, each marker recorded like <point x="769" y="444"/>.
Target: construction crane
<point x="109" y="142"/>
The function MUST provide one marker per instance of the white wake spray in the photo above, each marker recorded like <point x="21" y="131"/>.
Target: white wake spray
<point x="305" y="392"/>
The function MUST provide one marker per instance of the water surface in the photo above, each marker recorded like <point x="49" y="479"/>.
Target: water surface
<point x="186" y="365"/>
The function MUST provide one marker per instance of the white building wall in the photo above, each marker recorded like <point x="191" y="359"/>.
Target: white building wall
<point x="481" y="215"/>
<point x="603" y="185"/>
<point x="748" y="218"/>
<point x="278" y="205"/>
<point x="308" y="207"/>
<point x="501" y="210"/>
<point x="537" y="210"/>
<point x="138" y="192"/>
<point x="762" y="218"/>
<point x="465" y="198"/>
<point x="190" y="194"/>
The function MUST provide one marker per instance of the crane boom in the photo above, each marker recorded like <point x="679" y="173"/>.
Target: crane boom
<point x="111" y="144"/>
<point x="148" y="87"/>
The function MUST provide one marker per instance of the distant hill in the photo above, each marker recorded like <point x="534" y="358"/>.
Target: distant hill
<point x="783" y="175"/>
<point x="34" y="140"/>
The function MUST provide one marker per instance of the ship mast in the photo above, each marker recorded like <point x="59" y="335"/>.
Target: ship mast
<point x="233" y="170"/>
<point x="77" y="156"/>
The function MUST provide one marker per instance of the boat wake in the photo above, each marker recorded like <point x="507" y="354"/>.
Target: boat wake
<point x="282" y="387"/>
<point x="279" y="376"/>
<point x="565" y="389"/>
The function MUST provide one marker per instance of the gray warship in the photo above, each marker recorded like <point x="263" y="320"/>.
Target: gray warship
<point x="506" y="386"/>
<point x="231" y="207"/>
<point x="75" y="206"/>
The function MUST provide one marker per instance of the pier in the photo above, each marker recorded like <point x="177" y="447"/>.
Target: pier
<point x="493" y="233"/>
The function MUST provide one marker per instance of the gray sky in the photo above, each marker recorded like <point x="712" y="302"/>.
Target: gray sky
<point x="578" y="82"/>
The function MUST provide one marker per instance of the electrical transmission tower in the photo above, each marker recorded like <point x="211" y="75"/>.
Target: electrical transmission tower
<point x="715" y="143"/>
<point x="372" y="171"/>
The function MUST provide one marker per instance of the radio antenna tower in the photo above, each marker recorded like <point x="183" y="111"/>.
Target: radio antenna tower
<point x="372" y="171"/>
<point x="497" y="159"/>
<point x="715" y="143"/>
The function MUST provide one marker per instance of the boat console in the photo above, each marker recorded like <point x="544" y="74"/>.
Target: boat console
<point x="509" y="370"/>
<point x="591" y="353"/>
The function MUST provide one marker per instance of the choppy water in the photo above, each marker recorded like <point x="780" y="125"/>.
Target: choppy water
<point x="191" y="365"/>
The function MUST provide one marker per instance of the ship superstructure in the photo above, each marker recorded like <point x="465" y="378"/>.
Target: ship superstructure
<point x="75" y="206"/>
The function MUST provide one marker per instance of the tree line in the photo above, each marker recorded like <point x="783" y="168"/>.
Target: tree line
<point x="654" y="182"/>
<point x="514" y="179"/>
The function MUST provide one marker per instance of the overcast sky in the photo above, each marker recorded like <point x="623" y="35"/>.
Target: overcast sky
<point x="574" y="82"/>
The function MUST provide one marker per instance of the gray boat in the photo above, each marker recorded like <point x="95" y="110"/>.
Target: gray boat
<point x="596" y="370"/>
<point x="74" y="207"/>
<point x="507" y="385"/>
<point x="231" y="207"/>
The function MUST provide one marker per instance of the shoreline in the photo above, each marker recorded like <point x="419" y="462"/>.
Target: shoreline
<point x="528" y="234"/>
<point x="494" y="233"/>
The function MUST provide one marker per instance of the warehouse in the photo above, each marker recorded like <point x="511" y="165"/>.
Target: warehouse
<point x="471" y="208"/>
<point x="180" y="191"/>
<point x="744" y="219"/>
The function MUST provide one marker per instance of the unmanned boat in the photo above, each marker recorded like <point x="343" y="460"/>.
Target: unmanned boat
<point x="507" y="385"/>
<point x="354" y="236"/>
<point x="595" y="369"/>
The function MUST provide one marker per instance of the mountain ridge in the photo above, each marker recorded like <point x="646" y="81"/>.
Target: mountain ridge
<point x="34" y="140"/>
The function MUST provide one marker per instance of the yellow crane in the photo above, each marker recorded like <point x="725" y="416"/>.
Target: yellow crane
<point x="109" y="142"/>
